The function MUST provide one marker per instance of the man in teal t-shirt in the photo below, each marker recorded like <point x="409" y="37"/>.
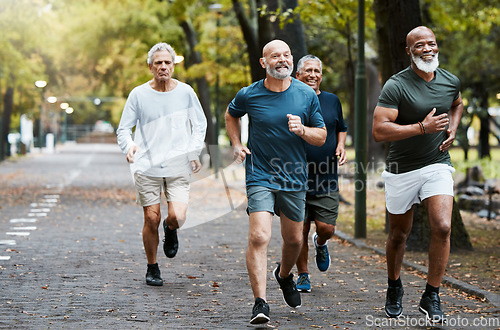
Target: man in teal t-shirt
<point x="284" y="114"/>
<point x="418" y="111"/>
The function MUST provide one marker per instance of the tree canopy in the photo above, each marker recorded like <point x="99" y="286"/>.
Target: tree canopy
<point x="87" y="49"/>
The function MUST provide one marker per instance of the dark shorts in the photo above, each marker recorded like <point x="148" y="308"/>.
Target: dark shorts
<point x="323" y="207"/>
<point x="291" y="203"/>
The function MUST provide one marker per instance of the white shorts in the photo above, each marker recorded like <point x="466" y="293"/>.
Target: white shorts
<point x="405" y="189"/>
<point x="149" y="189"/>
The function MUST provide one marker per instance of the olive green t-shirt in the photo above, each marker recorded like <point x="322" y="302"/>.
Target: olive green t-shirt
<point x="414" y="98"/>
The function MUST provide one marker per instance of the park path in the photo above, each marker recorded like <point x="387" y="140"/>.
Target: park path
<point x="71" y="256"/>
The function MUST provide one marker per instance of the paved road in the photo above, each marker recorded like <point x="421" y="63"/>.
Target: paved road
<point x="71" y="256"/>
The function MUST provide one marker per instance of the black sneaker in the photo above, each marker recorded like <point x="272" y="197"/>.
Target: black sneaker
<point x="430" y="305"/>
<point x="394" y="301"/>
<point x="170" y="243"/>
<point x="287" y="285"/>
<point x="153" y="275"/>
<point x="260" y="312"/>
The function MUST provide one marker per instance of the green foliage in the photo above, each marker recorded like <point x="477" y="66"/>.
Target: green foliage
<point x="331" y="28"/>
<point x="490" y="167"/>
<point x="24" y="26"/>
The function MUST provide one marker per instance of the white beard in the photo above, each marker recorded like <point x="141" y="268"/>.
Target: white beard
<point x="278" y="75"/>
<point x="427" y="67"/>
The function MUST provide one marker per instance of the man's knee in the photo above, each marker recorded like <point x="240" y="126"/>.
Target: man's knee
<point x="325" y="231"/>
<point x="398" y="237"/>
<point x="258" y="239"/>
<point x="293" y="241"/>
<point x="151" y="216"/>
<point x="441" y="229"/>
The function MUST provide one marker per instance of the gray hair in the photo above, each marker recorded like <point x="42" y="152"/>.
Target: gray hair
<point x="159" y="47"/>
<point x="306" y="58"/>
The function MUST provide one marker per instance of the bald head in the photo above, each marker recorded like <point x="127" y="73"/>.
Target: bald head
<point x="275" y="46"/>
<point x="418" y="33"/>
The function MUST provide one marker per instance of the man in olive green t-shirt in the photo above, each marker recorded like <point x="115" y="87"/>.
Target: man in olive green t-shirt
<point x="418" y="111"/>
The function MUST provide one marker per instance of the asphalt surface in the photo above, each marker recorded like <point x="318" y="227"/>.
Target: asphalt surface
<point x="71" y="256"/>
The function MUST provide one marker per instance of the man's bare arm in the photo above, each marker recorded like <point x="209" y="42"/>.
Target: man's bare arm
<point x="385" y="127"/>
<point x="233" y="127"/>
<point x="456" y="110"/>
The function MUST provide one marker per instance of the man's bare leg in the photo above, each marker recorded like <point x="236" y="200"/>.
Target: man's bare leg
<point x="150" y="239"/>
<point x="259" y="236"/>
<point x="304" y="251"/>
<point x="399" y="229"/>
<point x="291" y="232"/>
<point x="439" y="209"/>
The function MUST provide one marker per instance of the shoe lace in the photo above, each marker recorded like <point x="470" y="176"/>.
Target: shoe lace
<point x="436" y="305"/>
<point x="258" y="305"/>
<point x="322" y="252"/>
<point x="393" y="296"/>
<point x="303" y="280"/>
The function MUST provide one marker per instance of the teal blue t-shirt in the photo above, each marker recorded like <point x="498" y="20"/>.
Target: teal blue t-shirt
<point x="278" y="156"/>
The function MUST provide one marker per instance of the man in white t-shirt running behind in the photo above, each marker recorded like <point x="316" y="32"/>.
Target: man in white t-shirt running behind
<point x="170" y="128"/>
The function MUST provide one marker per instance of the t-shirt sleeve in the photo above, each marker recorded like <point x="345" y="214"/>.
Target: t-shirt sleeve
<point x="238" y="106"/>
<point x="315" y="115"/>
<point x="458" y="84"/>
<point x="390" y="95"/>
<point x="341" y="126"/>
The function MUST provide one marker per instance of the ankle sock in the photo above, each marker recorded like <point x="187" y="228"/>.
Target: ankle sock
<point x="394" y="283"/>
<point x="429" y="289"/>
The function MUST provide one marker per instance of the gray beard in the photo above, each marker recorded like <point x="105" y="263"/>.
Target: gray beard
<point x="427" y="67"/>
<point x="278" y="75"/>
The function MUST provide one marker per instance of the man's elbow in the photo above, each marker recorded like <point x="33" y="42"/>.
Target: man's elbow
<point x="377" y="137"/>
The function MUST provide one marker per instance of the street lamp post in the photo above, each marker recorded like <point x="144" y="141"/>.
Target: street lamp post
<point x="216" y="7"/>
<point x="360" y="132"/>
<point x="64" y="106"/>
<point x="41" y="84"/>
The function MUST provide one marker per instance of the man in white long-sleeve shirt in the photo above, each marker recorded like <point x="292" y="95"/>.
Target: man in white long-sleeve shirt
<point x="170" y="129"/>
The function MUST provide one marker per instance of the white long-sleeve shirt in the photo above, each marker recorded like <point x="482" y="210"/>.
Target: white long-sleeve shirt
<point x="170" y="129"/>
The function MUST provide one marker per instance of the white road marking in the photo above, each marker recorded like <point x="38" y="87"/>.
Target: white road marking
<point x="23" y="228"/>
<point x="37" y="214"/>
<point x="21" y="220"/>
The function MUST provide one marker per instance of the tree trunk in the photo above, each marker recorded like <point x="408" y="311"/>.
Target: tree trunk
<point x="484" y="135"/>
<point x="258" y="35"/>
<point x="291" y="33"/>
<point x="394" y="19"/>
<point x="376" y="151"/>
<point x="203" y="90"/>
<point x="251" y="37"/>
<point x="8" y="103"/>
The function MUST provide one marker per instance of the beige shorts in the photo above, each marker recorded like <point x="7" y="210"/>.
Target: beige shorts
<point x="404" y="190"/>
<point x="149" y="189"/>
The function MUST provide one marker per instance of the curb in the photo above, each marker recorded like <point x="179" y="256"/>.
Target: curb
<point x="490" y="297"/>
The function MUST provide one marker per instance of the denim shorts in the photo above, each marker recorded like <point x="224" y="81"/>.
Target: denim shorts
<point x="291" y="203"/>
<point x="323" y="207"/>
<point x="405" y="189"/>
